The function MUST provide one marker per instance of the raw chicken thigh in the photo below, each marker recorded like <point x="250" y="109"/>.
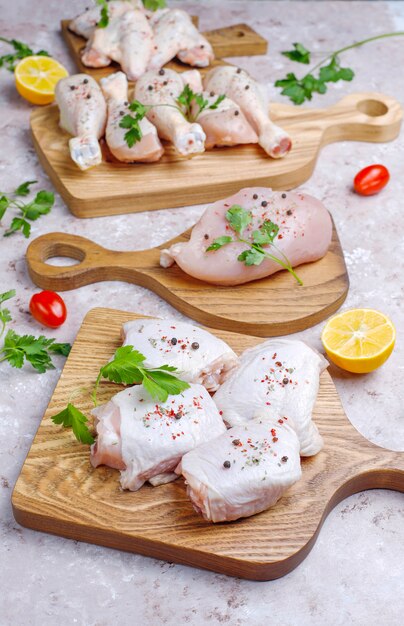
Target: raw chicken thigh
<point x="163" y="88"/>
<point x="127" y="39"/>
<point x="199" y="356"/>
<point x="277" y="379"/>
<point x="254" y="103"/>
<point x="176" y="35"/>
<point x="243" y="471"/>
<point x="146" y="440"/>
<point x="305" y="230"/>
<point x="85" y="23"/>
<point x="149" y="148"/>
<point x="83" y="114"/>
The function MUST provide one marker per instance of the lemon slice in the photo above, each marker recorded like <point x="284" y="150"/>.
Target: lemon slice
<point x="36" y="78"/>
<point x="359" y="340"/>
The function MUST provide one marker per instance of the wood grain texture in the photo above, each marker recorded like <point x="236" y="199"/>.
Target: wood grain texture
<point x="177" y="181"/>
<point x="59" y="492"/>
<point x="271" y="306"/>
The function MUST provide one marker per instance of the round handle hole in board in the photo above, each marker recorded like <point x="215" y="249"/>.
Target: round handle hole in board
<point x="372" y="108"/>
<point x="62" y="261"/>
<point x="63" y="255"/>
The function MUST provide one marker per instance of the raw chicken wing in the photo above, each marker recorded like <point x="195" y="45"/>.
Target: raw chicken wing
<point x="198" y="356"/>
<point x="304" y="235"/>
<point x="243" y="471"/>
<point x="146" y="439"/>
<point x="86" y="23"/>
<point x="83" y="114"/>
<point x="254" y="103"/>
<point x="163" y="88"/>
<point x="149" y="148"/>
<point x="277" y="379"/>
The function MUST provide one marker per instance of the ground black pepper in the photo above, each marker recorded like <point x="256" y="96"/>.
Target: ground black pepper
<point x="264" y="203"/>
<point x="174" y="341"/>
<point x="227" y="464"/>
<point x="195" y="345"/>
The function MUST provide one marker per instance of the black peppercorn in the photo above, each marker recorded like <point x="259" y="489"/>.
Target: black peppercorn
<point x="247" y="87"/>
<point x="285" y="381"/>
<point x="165" y="82"/>
<point x="178" y="416"/>
<point x="264" y="203"/>
<point x="206" y="236"/>
<point x="227" y="464"/>
<point x="150" y="88"/>
<point x="236" y="112"/>
<point x="255" y="196"/>
<point x="236" y="442"/>
<point x="72" y="87"/>
<point x="238" y="70"/>
<point x="126" y="103"/>
<point x="121" y="113"/>
<point x="202" y="46"/>
<point x="289" y="212"/>
<point x="284" y="459"/>
<point x="161" y="72"/>
<point x="195" y="345"/>
<point x="173" y="341"/>
<point x="283" y="195"/>
<point x="85" y="81"/>
<point x="212" y="93"/>
<point x="88" y="96"/>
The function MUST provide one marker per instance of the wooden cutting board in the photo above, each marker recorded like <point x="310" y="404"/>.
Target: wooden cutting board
<point x="112" y="188"/>
<point x="237" y="40"/>
<point x="60" y="493"/>
<point x="271" y="306"/>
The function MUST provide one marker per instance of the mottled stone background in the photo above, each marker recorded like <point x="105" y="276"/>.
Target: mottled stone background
<point x="354" y="575"/>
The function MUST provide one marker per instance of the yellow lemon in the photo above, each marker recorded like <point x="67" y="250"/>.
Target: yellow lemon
<point x="36" y="78"/>
<point x="359" y="340"/>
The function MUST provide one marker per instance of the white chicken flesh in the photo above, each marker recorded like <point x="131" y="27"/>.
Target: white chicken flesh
<point x="83" y="114"/>
<point x="254" y="102"/>
<point x="149" y="148"/>
<point x="243" y="471"/>
<point x="161" y="89"/>
<point x="199" y="356"/>
<point x="146" y="439"/>
<point x="304" y="235"/>
<point x="277" y="379"/>
<point x="127" y="39"/>
<point x="85" y="23"/>
<point x="176" y="36"/>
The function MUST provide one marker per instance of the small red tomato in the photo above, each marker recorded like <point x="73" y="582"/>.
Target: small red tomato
<point x="371" y="180"/>
<point x="48" y="308"/>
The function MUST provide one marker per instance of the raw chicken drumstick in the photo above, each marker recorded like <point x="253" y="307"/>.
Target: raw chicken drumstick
<point x="305" y="230"/>
<point x="243" y="471"/>
<point x="83" y="114"/>
<point x="146" y="439"/>
<point x="127" y="39"/>
<point x="163" y="88"/>
<point x="254" y="103"/>
<point x="198" y="356"/>
<point x="149" y="148"/>
<point x="277" y="379"/>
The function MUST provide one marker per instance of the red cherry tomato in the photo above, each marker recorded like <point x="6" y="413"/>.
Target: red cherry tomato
<point x="48" y="308"/>
<point x="371" y="180"/>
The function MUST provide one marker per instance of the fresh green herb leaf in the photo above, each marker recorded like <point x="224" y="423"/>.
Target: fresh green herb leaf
<point x="252" y="257"/>
<point x="238" y="218"/>
<point x="217" y="101"/>
<point x="21" y="50"/>
<point x="164" y="384"/>
<point x="7" y="295"/>
<point x="5" y="315"/>
<point x="17" y="348"/>
<point x="72" y="418"/>
<point x="187" y="98"/>
<point x="4" y="204"/>
<point x="266" y="233"/>
<point x="40" y="205"/>
<point x="18" y="223"/>
<point x="138" y="108"/>
<point x="299" y="54"/>
<point x="219" y="243"/>
<point x="24" y="188"/>
<point x="60" y="348"/>
<point x="104" y="16"/>
<point x="153" y="5"/>
<point x="124" y="367"/>
<point x="132" y="123"/>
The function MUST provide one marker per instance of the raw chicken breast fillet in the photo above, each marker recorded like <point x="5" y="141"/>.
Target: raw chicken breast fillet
<point x="146" y="439"/>
<point x="305" y="230"/>
<point x="277" y="379"/>
<point x="243" y="471"/>
<point x="174" y="343"/>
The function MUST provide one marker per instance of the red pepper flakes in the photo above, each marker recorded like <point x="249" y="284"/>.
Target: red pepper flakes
<point x="274" y="439"/>
<point x="280" y="421"/>
<point x="273" y="432"/>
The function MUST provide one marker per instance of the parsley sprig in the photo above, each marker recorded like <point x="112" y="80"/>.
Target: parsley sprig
<point x="21" y="50"/>
<point x="298" y="90"/>
<point x="20" y="348"/>
<point x="150" y="5"/>
<point x="239" y="218"/>
<point x="184" y="104"/>
<point x="127" y="368"/>
<point x="29" y="211"/>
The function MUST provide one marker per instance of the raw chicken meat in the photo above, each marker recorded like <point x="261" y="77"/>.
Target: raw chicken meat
<point x="176" y="35"/>
<point x="305" y="230"/>
<point x="83" y="114"/>
<point x="277" y="379"/>
<point x="85" y="23"/>
<point x="145" y="439"/>
<point x="199" y="356"/>
<point x="149" y="148"/>
<point x="243" y="471"/>
<point x="163" y="88"/>
<point x="253" y="101"/>
<point x="127" y="39"/>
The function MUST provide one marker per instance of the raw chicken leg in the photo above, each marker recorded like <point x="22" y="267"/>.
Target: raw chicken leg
<point x="163" y="88"/>
<point x="149" y="148"/>
<point x="304" y="235"/>
<point x="277" y="379"/>
<point x="253" y="101"/>
<point x="83" y="114"/>
<point x="198" y="356"/>
<point x="175" y="35"/>
<point x="243" y="471"/>
<point x="86" y="23"/>
<point x="128" y="40"/>
<point x="145" y="439"/>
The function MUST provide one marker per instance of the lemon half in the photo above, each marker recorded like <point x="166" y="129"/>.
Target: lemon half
<point x="36" y="78"/>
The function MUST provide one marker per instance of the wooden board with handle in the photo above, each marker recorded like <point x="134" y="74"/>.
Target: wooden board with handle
<point x="113" y="188"/>
<point x="59" y="492"/>
<point x="271" y="306"/>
